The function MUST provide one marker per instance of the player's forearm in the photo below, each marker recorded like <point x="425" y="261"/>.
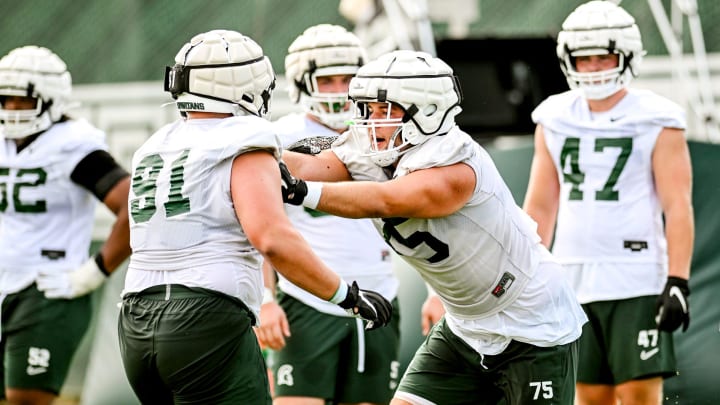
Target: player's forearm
<point x="680" y="235"/>
<point x="322" y="167"/>
<point x="289" y="254"/>
<point x="356" y="200"/>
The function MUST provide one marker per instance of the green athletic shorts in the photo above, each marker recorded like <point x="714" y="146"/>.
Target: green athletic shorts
<point x="621" y="342"/>
<point x="447" y="371"/>
<point x="40" y="337"/>
<point x="182" y="345"/>
<point x="334" y="358"/>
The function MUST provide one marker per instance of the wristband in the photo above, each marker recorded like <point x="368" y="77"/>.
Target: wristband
<point x="268" y="296"/>
<point x="341" y="293"/>
<point x="314" y="190"/>
<point x="101" y="264"/>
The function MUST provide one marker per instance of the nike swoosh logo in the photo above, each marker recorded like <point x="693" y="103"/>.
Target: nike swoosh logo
<point x="613" y="119"/>
<point x="644" y="355"/>
<point x="675" y="291"/>
<point x="35" y="370"/>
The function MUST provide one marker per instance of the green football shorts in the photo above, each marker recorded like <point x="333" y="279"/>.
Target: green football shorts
<point x="447" y="371"/>
<point x="40" y="337"/>
<point x="621" y="342"/>
<point x="182" y="345"/>
<point x="333" y="357"/>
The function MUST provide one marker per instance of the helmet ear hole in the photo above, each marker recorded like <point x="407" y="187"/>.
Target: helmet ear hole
<point x="429" y="109"/>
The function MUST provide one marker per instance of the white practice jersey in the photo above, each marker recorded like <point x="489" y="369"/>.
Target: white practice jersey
<point x="183" y="227"/>
<point x="609" y="228"/>
<point x="481" y="260"/>
<point x="46" y="219"/>
<point x="350" y="247"/>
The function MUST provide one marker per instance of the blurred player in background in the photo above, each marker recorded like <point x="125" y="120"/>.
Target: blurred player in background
<point x="53" y="169"/>
<point x="322" y="354"/>
<point x="612" y="171"/>
<point x="205" y="210"/>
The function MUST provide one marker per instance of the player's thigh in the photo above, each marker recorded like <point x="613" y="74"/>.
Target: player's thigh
<point x="205" y="350"/>
<point x="593" y="367"/>
<point x="371" y="360"/>
<point x="636" y="348"/>
<point x="538" y="375"/>
<point x="40" y="338"/>
<point x="445" y="370"/>
<point x="308" y="364"/>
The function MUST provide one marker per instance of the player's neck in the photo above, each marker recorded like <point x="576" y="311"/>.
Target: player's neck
<point x="608" y="103"/>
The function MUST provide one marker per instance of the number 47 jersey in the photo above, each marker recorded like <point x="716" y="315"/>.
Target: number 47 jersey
<point x="609" y="211"/>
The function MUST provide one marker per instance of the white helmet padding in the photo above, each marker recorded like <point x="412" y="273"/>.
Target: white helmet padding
<point x="323" y="50"/>
<point x="422" y="85"/>
<point x="221" y="71"/>
<point x="596" y="28"/>
<point x="32" y="71"/>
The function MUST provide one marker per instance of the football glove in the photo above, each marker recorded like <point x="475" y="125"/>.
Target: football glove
<point x="313" y="145"/>
<point x="61" y="284"/>
<point x="293" y="190"/>
<point x="672" y="305"/>
<point x="367" y="305"/>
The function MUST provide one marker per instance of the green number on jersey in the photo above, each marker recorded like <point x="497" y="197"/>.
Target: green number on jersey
<point x="442" y="250"/>
<point x="571" y="151"/>
<point x="144" y="185"/>
<point x="36" y="177"/>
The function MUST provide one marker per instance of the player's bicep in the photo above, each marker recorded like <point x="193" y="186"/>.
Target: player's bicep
<point x="325" y="166"/>
<point x="255" y="191"/>
<point x="672" y="168"/>
<point x="431" y="193"/>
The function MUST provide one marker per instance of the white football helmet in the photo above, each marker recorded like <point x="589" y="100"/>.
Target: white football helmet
<point x="323" y="50"/>
<point x="32" y="71"/>
<point x="597" y="28"/>
<point x="422" y="85"/>
<point x="221" y="71"/>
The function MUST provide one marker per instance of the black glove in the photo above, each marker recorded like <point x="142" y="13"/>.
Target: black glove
<point x="368" y="305"/>
<point x="293" y="190"/>
<point x="672" y="305"/>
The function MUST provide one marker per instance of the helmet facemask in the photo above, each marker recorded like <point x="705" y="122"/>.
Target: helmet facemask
<point x="35" y="72"/>
<point x="333" y="109"/>
<point x="18" y="124"/>
<point x="386" y="138"/>
<point x="600" y="28"/>
<point x="599" y="84"/>
<point x="323" y="50"/>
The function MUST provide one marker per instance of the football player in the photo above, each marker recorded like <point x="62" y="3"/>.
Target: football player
<point x="53" y="170"/>
<point x="509" y="334"/>
<point x="205" y="211"/>
<point x="612" y="172"/>
<point x="320" y="354"/>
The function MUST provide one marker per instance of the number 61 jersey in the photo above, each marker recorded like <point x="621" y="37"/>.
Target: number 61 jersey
<point x="609" y="211"/>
